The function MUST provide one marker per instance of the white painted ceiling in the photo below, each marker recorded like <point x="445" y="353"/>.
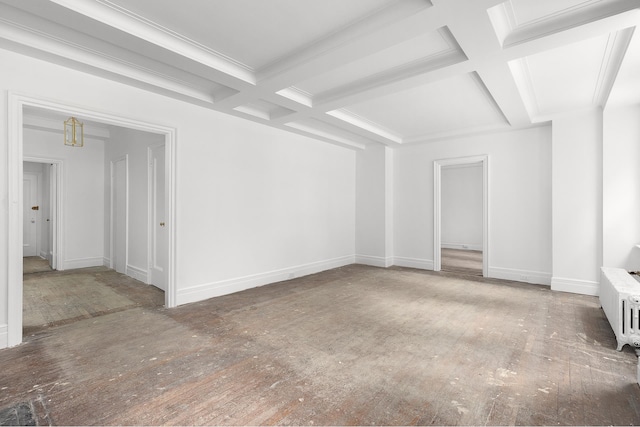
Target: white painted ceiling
<point x="351" y="72"/>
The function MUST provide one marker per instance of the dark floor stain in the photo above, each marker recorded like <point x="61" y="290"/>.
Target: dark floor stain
<point x="17" y="415"/>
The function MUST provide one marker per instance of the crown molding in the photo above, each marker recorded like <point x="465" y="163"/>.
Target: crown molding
<point x="524" y="82"/>
<point x="328" y="135"/>
<point x="13" y="30"/>
<point x="588" y="12"/>
<point x="298" y="95"/>
<point x="611" y="62"/>
<point x="145" y="29"/>
<point x="366" y="124"/>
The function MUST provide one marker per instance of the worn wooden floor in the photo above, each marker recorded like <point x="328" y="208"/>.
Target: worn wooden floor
<point x="465" y="262"/>
<point x="52" y="298"/>
<point x="356" y="345"/>
<point x="35" y="264"/>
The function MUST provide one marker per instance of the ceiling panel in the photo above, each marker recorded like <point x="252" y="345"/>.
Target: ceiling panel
<point x="349" y="72"/>
<point x="254" y="33"/>
<point x="527" y="11"/>
<point x="565" y="78"/>
<point x="416" y="49"/>
<point x="627" y="86"/>
<point x="455" y="103"/>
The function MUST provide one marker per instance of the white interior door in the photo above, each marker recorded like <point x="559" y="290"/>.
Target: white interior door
<point x="53" y="215"/>
<point x="159" y="238"/>
<point x="30" y="215"/>
<point x="119" y="212"/>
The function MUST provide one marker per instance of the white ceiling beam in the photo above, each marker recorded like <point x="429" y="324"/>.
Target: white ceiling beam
<point x="556" y="39"/>
<point x="98" y="59"/>
<point x="399" y="22"/>
<point x="135" y="25"/>
<point x="476" y="35"/>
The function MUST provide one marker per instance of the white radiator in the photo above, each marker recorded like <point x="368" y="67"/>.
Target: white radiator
<point x="620" y="300"/>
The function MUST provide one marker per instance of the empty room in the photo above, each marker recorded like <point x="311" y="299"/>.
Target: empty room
<point x="319" y="212"/>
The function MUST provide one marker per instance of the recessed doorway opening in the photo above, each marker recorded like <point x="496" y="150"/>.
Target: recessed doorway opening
<point x="461" y="215"/>
<point x="63" y="252"/>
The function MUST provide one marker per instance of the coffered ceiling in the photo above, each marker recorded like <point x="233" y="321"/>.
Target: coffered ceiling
<point x="350" y="72"/>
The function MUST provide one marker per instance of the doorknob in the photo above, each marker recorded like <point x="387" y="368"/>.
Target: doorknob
<point x="35" y="208"/>
<point x="162" y="224"/>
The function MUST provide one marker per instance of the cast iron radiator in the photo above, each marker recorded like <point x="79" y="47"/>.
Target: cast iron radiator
<point x="620" y="300"/>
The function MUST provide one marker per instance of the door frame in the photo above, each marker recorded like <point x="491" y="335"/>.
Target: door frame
<point x="151" y="206"/>
<point x="112" y="238"/>
<point x="15" y="112"/>
<point x="437" y="203"/>
<point x="55" y="200"/>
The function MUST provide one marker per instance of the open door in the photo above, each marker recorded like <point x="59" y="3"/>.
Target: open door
<point x="30" y="215"/>
<point x="158" y="231"/>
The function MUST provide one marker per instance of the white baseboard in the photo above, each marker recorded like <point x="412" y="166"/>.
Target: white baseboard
<point x="462" y="246"/>
<point x="43" y="254"/>
<point x="137" y="273"/>
<point x="229" y="286"/>
<point x="517" y="275"/>
<point x="69" y="264"/>
<point x="4" y="336"/>
<point x="423" y="264"/>
<point x="106" y="262"/>
<point x="374" y="261"/>
<point x="575" y="286"/>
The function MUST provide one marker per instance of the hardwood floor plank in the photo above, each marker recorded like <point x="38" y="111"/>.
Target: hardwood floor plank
<point x="355" y="345"/>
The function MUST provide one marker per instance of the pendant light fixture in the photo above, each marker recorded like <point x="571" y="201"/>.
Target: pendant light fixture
<point x="73" y="132"/>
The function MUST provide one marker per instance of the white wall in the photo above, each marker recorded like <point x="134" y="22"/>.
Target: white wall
<point x="519" y="201"/>
<point x="461" y="207"/>
<point x="621" y="187"/>
<point x="254" y="204"/>
<point x="82" y="189"/>
<point x="577" y="202"/>
<point x="133" y="143"/>
<point x="374" y="206"/>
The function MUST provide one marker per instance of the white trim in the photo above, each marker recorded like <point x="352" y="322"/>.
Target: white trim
<point x="462" y="246"/>
<point x="374" y="261"/>
<point x="152" y="32"/>
<point x="112" y="213"/>
<point x="422" y="264"/>
<point x="516" y="275"/>
<point x="575" y="286"/>
<point x="224" y="287"/>
<point x="4" y="336"/>
<point x="83" y="262"/>
<point x="106" y="262"/>
<point x="137" y="273"/>
<point x="437" y="215"/>
<point x="16" y="104"/>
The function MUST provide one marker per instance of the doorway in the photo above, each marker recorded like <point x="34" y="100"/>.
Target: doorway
<point x="461" y="226"/>
<point x="41" y="210"/>
<point x="17" y="104"/>
<point x="466" y="225"/>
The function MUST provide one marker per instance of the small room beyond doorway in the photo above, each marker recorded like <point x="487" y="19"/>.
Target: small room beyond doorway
<point x="461" y="224"/>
